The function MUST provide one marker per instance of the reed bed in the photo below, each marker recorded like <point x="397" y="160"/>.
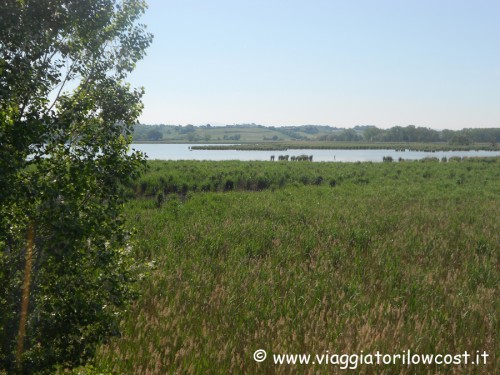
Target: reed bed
<point x="343" y="145"/>
<point x="392" y="257"/>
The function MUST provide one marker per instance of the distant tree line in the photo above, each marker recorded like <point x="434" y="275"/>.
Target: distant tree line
<point x="366" y="133"/>
<point x="157" y="132"/>
<point x="347" y="135"/>
<point x="412" y="133"/>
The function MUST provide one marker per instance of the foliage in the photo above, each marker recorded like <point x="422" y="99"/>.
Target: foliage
<point x="460" y="139"/>
<point x="66" y="118"/>
<point x="347" y="135"/>
<point x="407" y="259"/>
<point x="155" y="135"/>
<point x="251" y="133"/>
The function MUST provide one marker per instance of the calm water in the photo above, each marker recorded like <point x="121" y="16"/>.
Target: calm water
<point x="182" y="152"/>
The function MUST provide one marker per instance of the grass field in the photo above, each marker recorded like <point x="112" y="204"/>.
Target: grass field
<point x="390" y="257"/>
<point x="243" y="133"/>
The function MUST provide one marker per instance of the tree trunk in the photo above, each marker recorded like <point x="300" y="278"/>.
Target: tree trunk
<point x="26" y="293"/>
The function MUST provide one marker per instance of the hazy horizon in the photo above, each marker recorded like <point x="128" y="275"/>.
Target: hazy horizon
<point x="290" y="63"/>
<point x="212" y="124"/>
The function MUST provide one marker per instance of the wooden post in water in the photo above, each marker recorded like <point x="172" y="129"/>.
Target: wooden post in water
<point x="26" y="293"/>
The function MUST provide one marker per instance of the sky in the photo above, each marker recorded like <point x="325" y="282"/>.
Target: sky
<point x="430" y="63"/>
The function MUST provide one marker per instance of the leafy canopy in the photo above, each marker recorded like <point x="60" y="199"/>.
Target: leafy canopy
<point x="66" y="116"/>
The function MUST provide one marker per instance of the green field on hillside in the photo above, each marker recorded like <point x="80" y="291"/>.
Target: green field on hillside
<point x="230" y="133"/>
<point x="338" y="257"/>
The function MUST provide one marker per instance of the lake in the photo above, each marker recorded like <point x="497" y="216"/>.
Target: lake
<point x="182" y="152"/>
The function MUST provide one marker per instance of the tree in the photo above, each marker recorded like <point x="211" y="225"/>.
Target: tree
<point x="155" y="135"/>
<point x="370" y="133"/>
<point x="460" y="139"/>
<point x="66" y="116"/>
<point x="349" y="135"/>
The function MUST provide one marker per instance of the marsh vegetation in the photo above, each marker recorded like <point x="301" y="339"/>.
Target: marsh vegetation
<point x="322" y="256"/>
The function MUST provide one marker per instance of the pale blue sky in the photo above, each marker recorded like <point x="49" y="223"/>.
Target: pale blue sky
<point x="341" y="63"/>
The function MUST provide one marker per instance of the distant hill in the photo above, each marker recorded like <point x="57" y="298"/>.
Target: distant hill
<point x="252" y="133"/>
<point x="229" y="133"/>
